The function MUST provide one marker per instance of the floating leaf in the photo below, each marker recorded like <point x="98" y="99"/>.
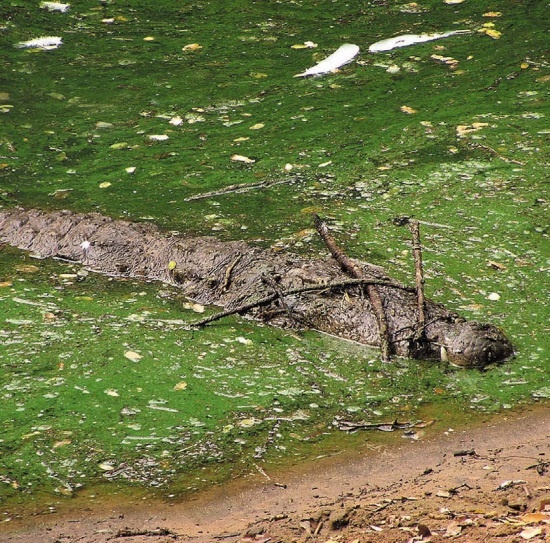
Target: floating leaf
<point x="104" y="185"/>
<point x="26" y="268"/>
<point x="111" y="392"/>
<point x="120" y="145"/>
<point x="463" y="129"/>
<point x="176" y="121"/>
<point x="257" y="126"/>
<point x="495" y="34"/>
<point x="182" y="385"/>
<point x="197" y="308"/>
<point x="61" y="443"/>
<point x="191" y="47"/>
<point x="133" y="356"/>
<point x="305" y="45"/>
<point x="408" y="110"/>
<point x="241" y="158"/>
<point x="149" y="38"/>
<point x="450" y="61"/>
<point x="248" y="423"/>
<point x="492" y="14"/>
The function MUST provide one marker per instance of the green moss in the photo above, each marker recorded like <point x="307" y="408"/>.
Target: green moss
<point x="73" y="404"/>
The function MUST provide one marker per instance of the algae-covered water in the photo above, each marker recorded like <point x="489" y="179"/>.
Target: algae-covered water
<point x="146" y="105"/>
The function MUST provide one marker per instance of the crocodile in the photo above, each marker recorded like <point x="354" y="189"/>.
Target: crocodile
<point x="280" y="288"/>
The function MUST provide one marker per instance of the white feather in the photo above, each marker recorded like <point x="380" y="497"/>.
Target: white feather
<point x="47" y="42"/>
<point x="410" y="39"/>
<point x="341" y="56"/>
<point x="55" y="6"/>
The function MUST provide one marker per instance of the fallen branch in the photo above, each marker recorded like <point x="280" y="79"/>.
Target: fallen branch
<point x="414" y="227"/>
<point x="127" y="532"/>
<point x="349" y="426"/>
<point x="272" y="297"/>
<point x="352" y="269"/>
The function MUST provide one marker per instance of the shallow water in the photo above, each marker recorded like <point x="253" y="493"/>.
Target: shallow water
<point x="378" y="139"/>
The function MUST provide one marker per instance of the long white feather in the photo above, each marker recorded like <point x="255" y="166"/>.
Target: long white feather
<point x="55" y="6"/>
<point x="47" y="42"/>
<point x="341" y="56"/>
<point x="410" y="39"/>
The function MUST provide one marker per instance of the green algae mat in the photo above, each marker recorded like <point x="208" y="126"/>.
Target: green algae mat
<point x="154" y="111"/>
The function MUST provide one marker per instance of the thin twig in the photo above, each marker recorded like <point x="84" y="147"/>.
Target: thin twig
<point x="351" y="268"/>
<point x="271" y="297"/>
<point x="414" y="227"/>
<point x="492" y="151"/>
<point x="273" y="284"/>
<point x="239" y="188"/>
<point x="228" y="272"/>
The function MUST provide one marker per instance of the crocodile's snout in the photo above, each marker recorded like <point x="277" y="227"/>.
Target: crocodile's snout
<point x="474" y="345"/>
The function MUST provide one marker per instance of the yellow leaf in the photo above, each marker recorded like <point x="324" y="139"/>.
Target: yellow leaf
<point x="104" y="185"/>
<point x="257" y="126"/>
<point x="192" y="47"/>
<point x="495" y="34"/>
<point x="408" y="110"/>
<point x="247" y="423"/>
<point x="241" y="158"/>
<point x="492" y="14"/>
<point x="149" y="38"/>
<point x="172" y="265"/>
<point x="62" y="443"/>
<point x="181" y="386"/>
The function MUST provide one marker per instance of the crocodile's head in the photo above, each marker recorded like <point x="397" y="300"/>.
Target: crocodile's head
<point x="474" y="345"/>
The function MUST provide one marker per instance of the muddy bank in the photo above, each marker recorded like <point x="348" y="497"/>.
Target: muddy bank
<point x="282" y="289"/>
<point x="487" y="483"/>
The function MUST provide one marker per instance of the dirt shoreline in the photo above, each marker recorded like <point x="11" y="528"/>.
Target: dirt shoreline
<point x="471" y="485"/>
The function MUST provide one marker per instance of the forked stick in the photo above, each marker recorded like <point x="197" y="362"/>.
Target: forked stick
<point x="352" y="269"/>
